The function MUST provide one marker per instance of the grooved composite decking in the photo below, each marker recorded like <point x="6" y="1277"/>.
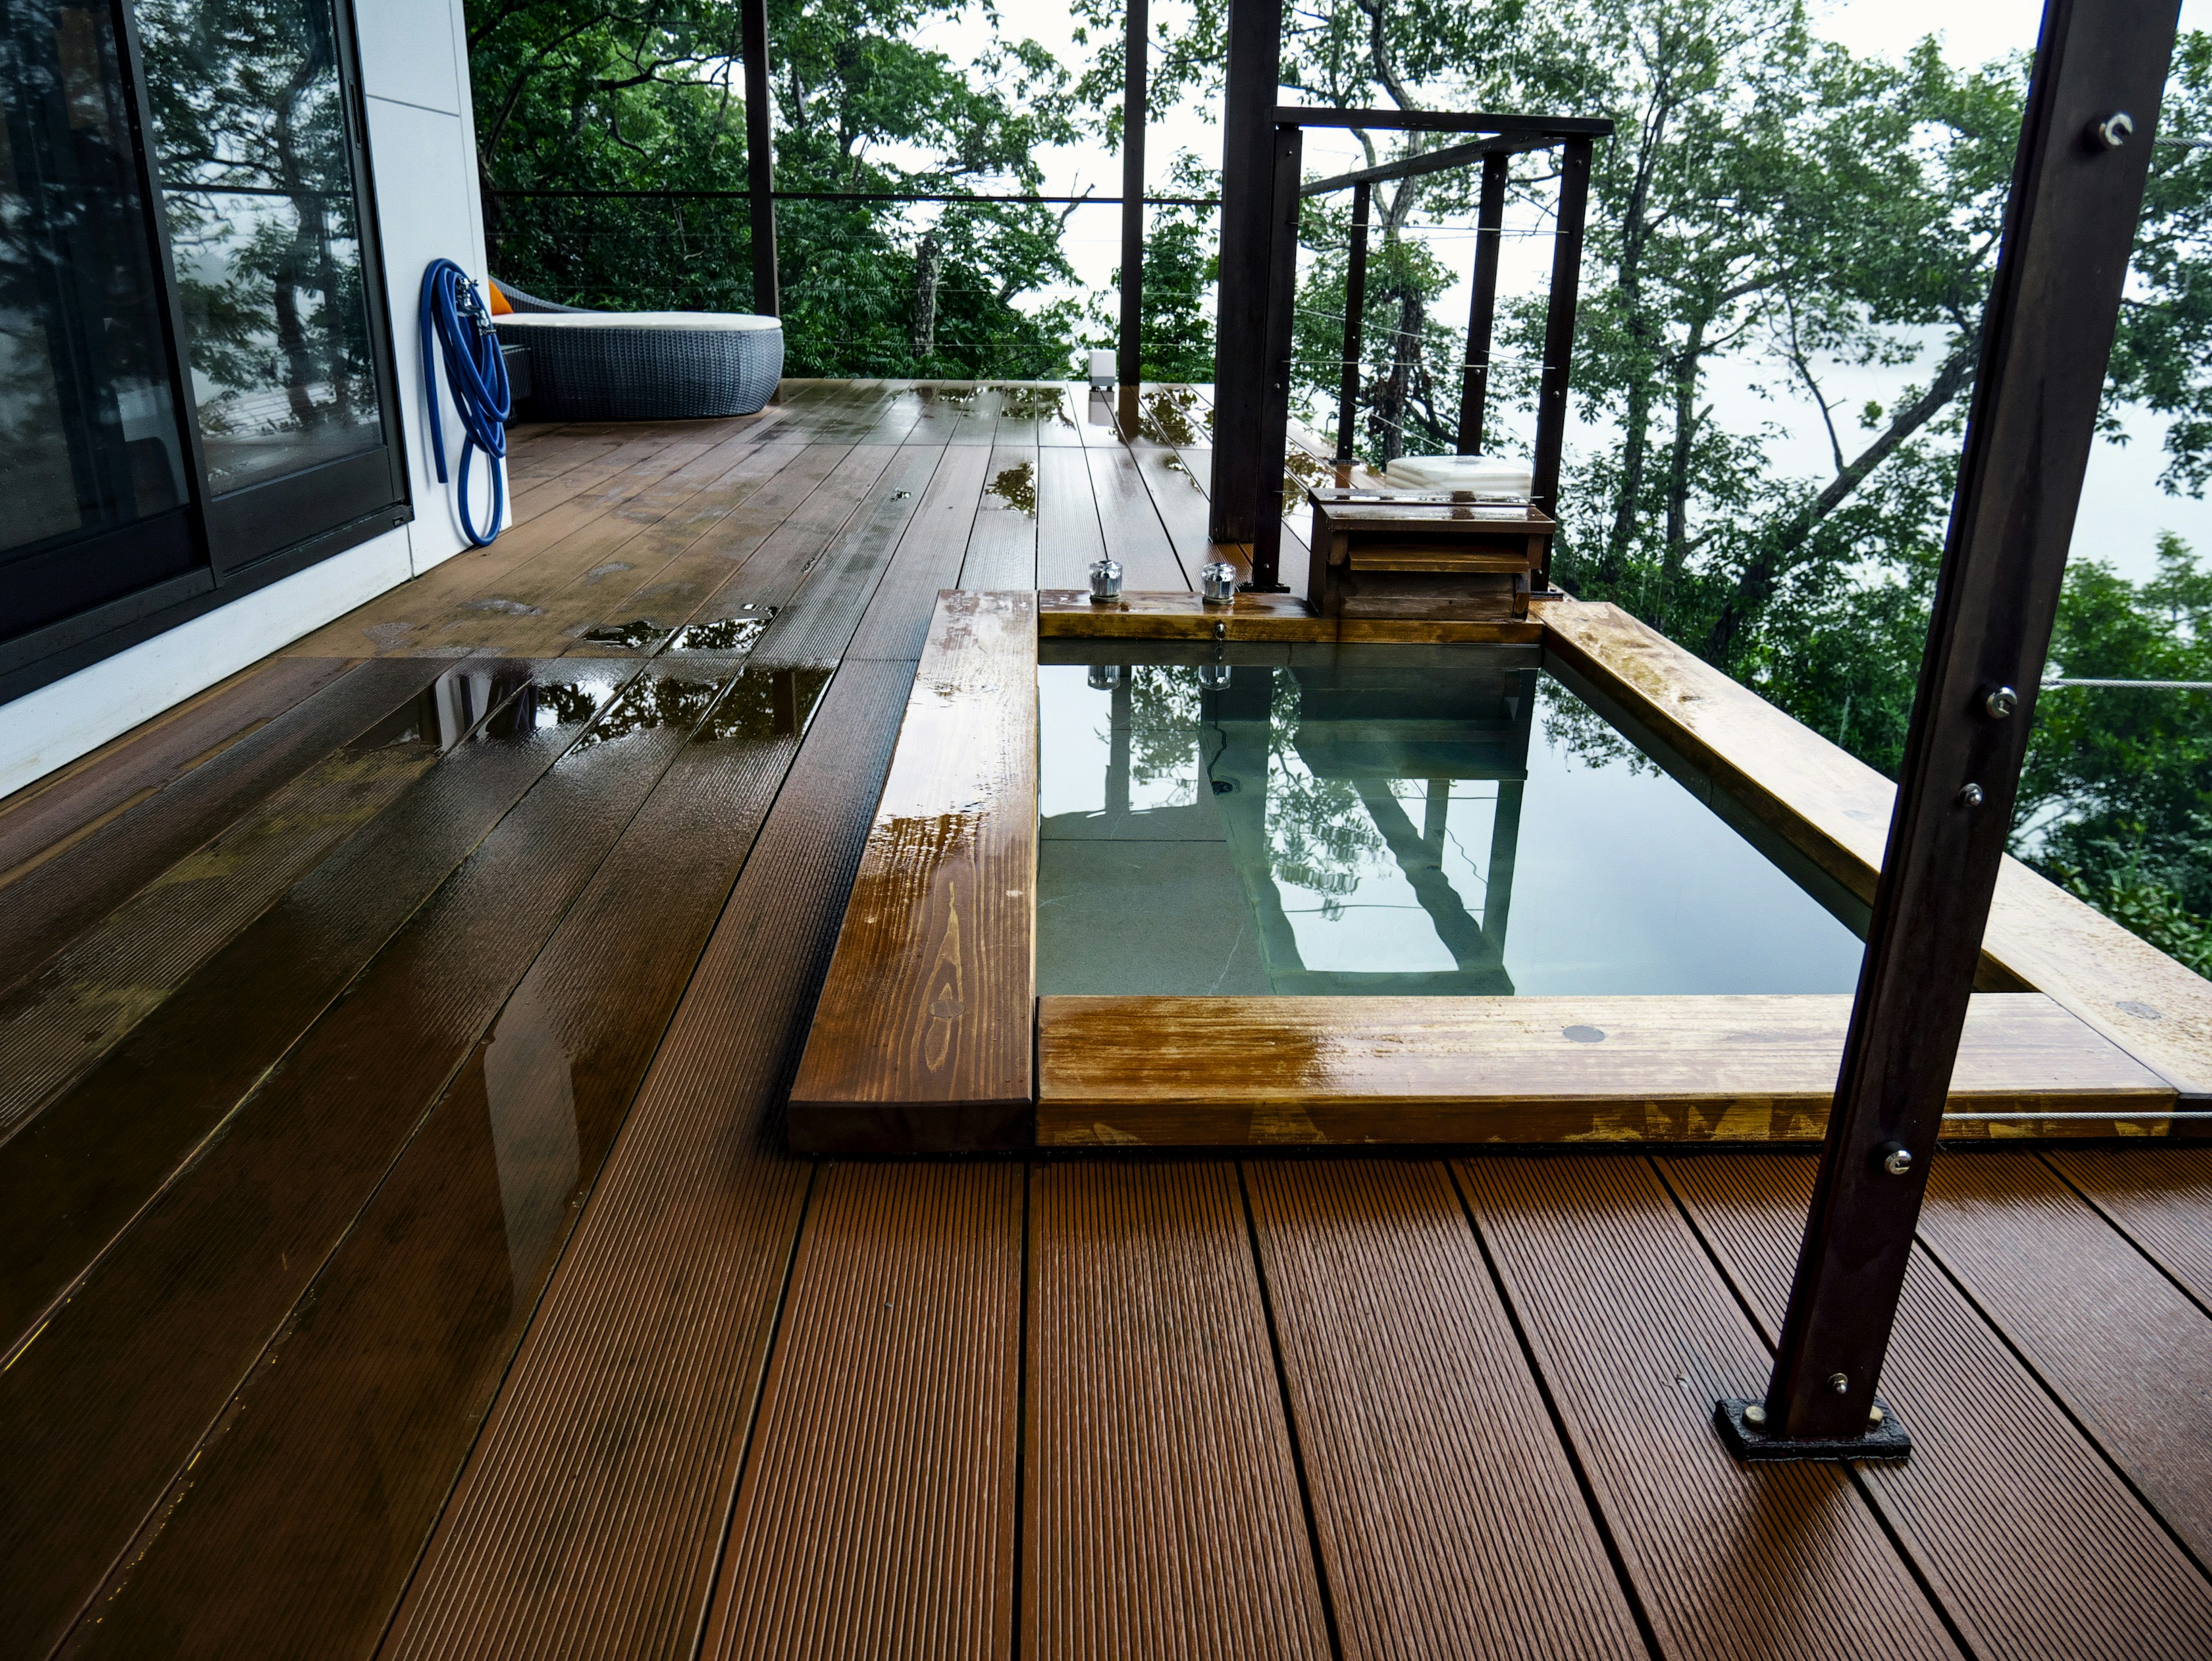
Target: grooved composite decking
<point x="412" y="1264"/>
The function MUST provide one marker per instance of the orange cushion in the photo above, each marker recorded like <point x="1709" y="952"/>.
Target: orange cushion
<point x="499" y="306"/>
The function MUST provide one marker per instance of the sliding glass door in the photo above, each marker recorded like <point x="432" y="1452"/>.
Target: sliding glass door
<point x="94" y="467"/>
<point x="255" y="163"/>
<point x="195" y="383"/>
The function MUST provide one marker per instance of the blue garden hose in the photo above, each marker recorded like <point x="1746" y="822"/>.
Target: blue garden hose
<point x="478" y="374"/>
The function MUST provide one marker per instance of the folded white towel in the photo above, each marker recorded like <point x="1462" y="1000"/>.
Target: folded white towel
<point x="1497" y="476"/>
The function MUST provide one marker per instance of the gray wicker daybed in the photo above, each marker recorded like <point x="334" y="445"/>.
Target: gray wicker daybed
<point x="642" y="365"/>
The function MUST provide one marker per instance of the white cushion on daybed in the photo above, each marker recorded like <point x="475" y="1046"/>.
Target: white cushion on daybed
<point x="737" y="321"/>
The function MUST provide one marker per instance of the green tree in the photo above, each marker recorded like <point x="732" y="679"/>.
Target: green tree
<point x="1174" y="321"/>
<point x="2115" y="801"/>
<point x="624" y="96"/>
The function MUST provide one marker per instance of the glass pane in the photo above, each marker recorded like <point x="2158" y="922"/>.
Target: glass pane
<point x="88" y="436"/>
<point x="1349" y="822"/>
<point x="264" y="231"/>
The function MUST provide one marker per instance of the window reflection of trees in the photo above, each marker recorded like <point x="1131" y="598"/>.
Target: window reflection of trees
<point x="252" y="156"/>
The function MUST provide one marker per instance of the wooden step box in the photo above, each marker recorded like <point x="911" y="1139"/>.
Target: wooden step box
<point x="1428" y="555"/>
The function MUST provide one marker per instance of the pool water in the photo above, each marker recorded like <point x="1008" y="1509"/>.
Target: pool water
<point x="1359" y="820"/>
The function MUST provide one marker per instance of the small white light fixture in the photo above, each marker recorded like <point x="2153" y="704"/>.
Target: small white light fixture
<point x="1102" y="370"/>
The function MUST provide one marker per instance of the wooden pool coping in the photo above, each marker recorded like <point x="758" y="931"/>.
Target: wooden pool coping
<point x="929" y="1036"/>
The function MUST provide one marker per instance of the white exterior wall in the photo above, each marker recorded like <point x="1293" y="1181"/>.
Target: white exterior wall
<point x="422" y="148"/>
<point x="422" y="138"/>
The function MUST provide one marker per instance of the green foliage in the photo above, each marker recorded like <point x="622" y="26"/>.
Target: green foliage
<point x="2115" y="801"/>
<point x="625" y="96"/>
<point x="1179" y="272"/>
<point x="1408" y="401"/>
<point x="2145" y="902"/>
<point x="2163" y="356"/>
<point x="1175" y="325"/>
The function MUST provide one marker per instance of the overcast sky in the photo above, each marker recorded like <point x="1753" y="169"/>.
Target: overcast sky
<point x="2123" y="510"/>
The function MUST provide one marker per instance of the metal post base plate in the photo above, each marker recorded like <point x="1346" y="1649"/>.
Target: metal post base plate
<point x="1263" y="587"/>
<point x="1887" y="1440"/>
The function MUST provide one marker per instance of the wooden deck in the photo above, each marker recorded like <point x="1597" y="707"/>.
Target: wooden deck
<point x="402" y="1256"/>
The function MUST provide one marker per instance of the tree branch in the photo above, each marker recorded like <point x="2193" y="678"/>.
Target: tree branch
<point x="1763" y="571"/>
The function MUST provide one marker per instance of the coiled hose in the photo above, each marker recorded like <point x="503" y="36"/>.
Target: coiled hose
<point x="454" y="312"/>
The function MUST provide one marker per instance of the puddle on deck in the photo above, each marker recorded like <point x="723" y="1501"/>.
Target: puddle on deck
<point x="1016" y="486"/>
<point x="735" y="633"/>
<point x="1173" y="415"/>
<point x="1349" y="820"/>
<point x="634" y="631"/>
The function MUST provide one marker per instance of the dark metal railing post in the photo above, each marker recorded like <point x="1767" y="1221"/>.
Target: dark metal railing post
<point x="2077" y="191"/>
<point x="1489" y="229"/>
<point x="1559" y="330"/>
<point x="1129" y="367"/>
<point x="1355" y="311"/>
<point x="1248" y="141"/>
<point x="1274" y="425"/>
<point x="760" y="158"/>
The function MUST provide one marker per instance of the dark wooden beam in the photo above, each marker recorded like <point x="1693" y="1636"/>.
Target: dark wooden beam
<point x="1355" y="309"/>
<point x="1559" y="330"/>
<point x="1429" y="162"/>
<point x="1130" y="369"/>
<point x="1273" y="427"/>
<point x="760" y="158"/>
<point x="2070" y="222"/>
<point x="1247" y="149"/>
<point x="1553" y="126"/>
<point x="1474" y="386"/>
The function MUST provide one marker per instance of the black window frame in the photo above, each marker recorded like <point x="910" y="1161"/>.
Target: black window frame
<point x="249" y="538"/>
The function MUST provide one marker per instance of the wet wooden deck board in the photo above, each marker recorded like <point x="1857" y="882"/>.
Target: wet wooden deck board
<point x="82" y="1170"/>
<point x="1178" y="1072"/>
<point x="641" y="567"/>
<point x="1635" y="1335"/>
<point x="370" y="1399"/>
<point x="1237" y="1432"/>
<point x="2127" y="1351"/>
<point x="2162" y="1202"/>
<point x="924" y="1034"/>
<point x="167" y="1322"/>
<point x="87" y="998"/>
<point x="1446" y="1508"/>
<point x="593" y="1512"/>
<point x="1002" y="547"/>
<point x="927" y="559"/>
<point x="816" y="622"/>
<point x="53" y="814"/>
<point x="885" y="1449"/>
<point x="58" y="898"/>
<point x="1132" y="523"/>
<point x="1162" y="1514"/>
<point x="2086" y="1571"/>
<point x="708" y="578"/>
